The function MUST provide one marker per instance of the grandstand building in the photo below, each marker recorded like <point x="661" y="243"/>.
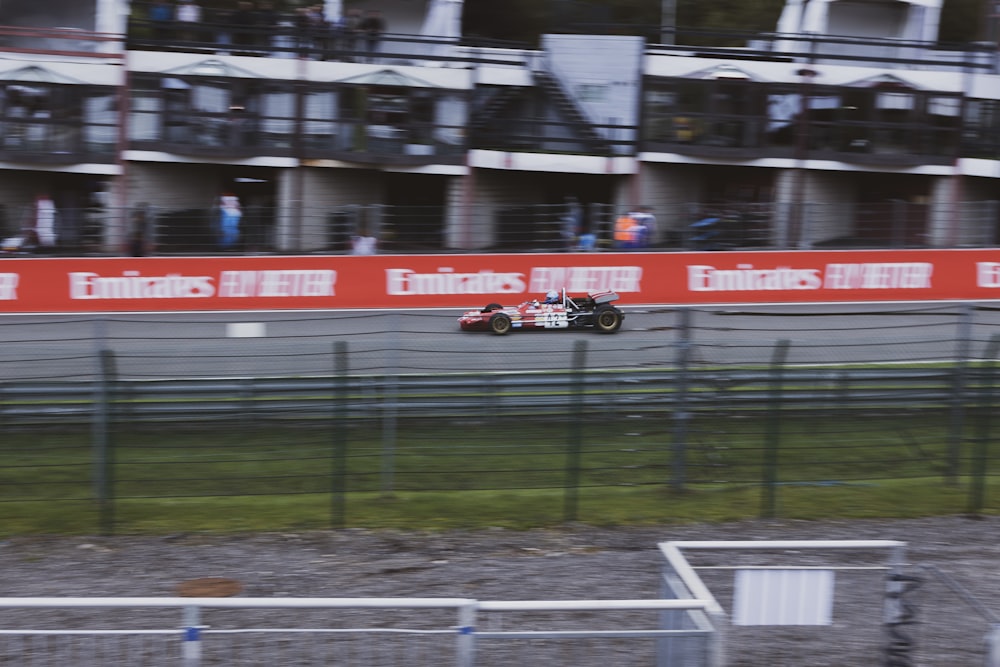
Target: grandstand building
<point x="848" y="126"/>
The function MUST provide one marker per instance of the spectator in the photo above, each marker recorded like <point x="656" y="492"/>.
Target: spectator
<point x="311" y="28"/>
<point x="45" y="221"/>
<point x="647" y="221"/>
<point x="320" y="31"/>
<point x="639" y="230"/>
<point x="138" y="245"/>
<point x="188" y="14"/>
<point x="362" y="244"/>
<point x="572" y="223"/>
<point x="161" y="14"/>
<point x="244" y="23"/>
<point x="268" y="22"/>
<point x="230" y="215"/>
<point x="372" y="25"/>
<point x="349" y="29"/>
<point x="625" y="232"/>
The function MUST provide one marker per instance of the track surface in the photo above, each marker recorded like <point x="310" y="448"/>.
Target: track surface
<point x="301" y="343"/>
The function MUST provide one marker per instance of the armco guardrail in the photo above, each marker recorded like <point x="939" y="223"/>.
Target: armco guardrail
<point x="479" y="394"/>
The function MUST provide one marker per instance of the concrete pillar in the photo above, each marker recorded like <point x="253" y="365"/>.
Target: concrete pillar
<point x="460" y="212"/>
<point x="963" y="212"/>
<point x="819" y="208"/>
<point x="111" y="18"/>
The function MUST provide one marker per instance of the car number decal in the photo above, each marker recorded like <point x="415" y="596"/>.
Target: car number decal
<point x="554" y="320"/>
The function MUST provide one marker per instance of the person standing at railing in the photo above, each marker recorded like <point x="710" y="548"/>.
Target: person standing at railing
<point x="646" y="221"/>
<point x="625" y="231"/>
<point x="372" y="25"/>
<point x="244" y="23"/>
<point x="45" y="221"/>
<point x="230" y="214"/>
<point x="188" y="15"/>
<point x="161" y="15"/>
<point x="572" y="223"/>
<point x="269" y="26"/>
<point x="348" y="32"/>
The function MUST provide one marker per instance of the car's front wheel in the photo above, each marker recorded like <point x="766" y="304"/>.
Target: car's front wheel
<point x="607" y="319"/>
<point x="500" y="324"/>
<point x="490" y="307"/>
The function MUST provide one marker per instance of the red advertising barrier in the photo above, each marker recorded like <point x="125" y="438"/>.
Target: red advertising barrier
<point x="122" y="284"/>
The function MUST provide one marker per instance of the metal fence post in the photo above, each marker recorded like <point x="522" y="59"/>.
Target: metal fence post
<point x="958" y="393"/>
<point x="574" y="432"/>
<point x="338" y="479"/>
<point x="390" y="409"/>
<point x="191" y="649"/>
<point x="773" y="440"/>
<point x="466" y="649"/>
<point x="681" y="414"/>
<point x="102" y="441"/>
<point x="980" y="457"/>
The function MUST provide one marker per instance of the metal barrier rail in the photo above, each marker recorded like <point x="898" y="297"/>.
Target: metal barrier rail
<point x="461" y="642"/>
<point x="475" y="394"/>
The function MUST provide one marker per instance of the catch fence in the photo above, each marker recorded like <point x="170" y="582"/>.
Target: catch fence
<point x="112" y="422"/>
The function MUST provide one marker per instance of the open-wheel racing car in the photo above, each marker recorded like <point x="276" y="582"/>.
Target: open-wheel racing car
<point x="557" y="311"/>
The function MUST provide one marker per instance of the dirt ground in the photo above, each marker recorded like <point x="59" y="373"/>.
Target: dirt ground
<point x="571" y="563"/>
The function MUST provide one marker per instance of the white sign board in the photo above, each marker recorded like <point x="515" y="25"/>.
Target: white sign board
<point x="783" y="597"/>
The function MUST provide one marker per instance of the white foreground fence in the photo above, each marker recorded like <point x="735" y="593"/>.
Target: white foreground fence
<point x="374" y="632"/>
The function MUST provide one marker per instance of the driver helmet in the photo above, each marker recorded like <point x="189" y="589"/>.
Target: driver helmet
<point x="552" y="296"/>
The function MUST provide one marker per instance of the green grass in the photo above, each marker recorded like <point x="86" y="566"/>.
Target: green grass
<point x="437" y="475"/>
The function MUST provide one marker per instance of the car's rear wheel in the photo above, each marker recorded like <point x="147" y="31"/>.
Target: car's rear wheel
<point x="607" y="319"/>
<point x="500" y="324"/>
<point x="490" y="307"/>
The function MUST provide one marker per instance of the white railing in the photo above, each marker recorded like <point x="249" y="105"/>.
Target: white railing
<point x="368" y="631"/>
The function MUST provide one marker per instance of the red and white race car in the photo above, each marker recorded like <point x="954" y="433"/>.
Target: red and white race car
<point x="557" y="311"/>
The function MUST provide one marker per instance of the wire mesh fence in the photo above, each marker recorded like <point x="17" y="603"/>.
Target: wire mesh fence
<point x="123" y="421"/>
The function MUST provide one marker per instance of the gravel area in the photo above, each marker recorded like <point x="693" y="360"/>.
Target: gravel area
<point x="571" y="563"/>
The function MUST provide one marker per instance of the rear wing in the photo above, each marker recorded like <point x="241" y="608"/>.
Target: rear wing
<point x="603" y="297"/>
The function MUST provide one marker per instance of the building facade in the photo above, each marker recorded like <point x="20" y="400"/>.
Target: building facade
<point x="847" y="127"/>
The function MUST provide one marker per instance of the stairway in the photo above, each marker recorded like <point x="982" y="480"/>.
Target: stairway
<point x="571" y="112"/>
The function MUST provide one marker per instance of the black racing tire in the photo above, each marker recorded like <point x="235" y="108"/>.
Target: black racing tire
<point x="608" y="319"/>
<point x="490" y="307"/>
<point x="500" y="324"/>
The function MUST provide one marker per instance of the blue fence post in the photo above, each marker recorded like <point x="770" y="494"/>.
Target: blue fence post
<point x="466" y="648"/>
<point x="191" y="648"/>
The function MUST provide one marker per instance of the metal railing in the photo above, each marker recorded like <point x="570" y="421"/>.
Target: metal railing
<point x="373" y="632"/>
<point x="195" y="229"/>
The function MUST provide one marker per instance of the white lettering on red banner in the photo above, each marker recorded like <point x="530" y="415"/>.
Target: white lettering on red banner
<point x="282" y="284"/>
<point x="404" y="282"/>
<point x="133" y="285"/>
<point x="586" y="278"/>
<point x="8" y="286"/>
<point x="879" y="275"/>
<point x="988" y="274"/>
<point x="746" y="278"/>
<point x="867" y="276"/>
